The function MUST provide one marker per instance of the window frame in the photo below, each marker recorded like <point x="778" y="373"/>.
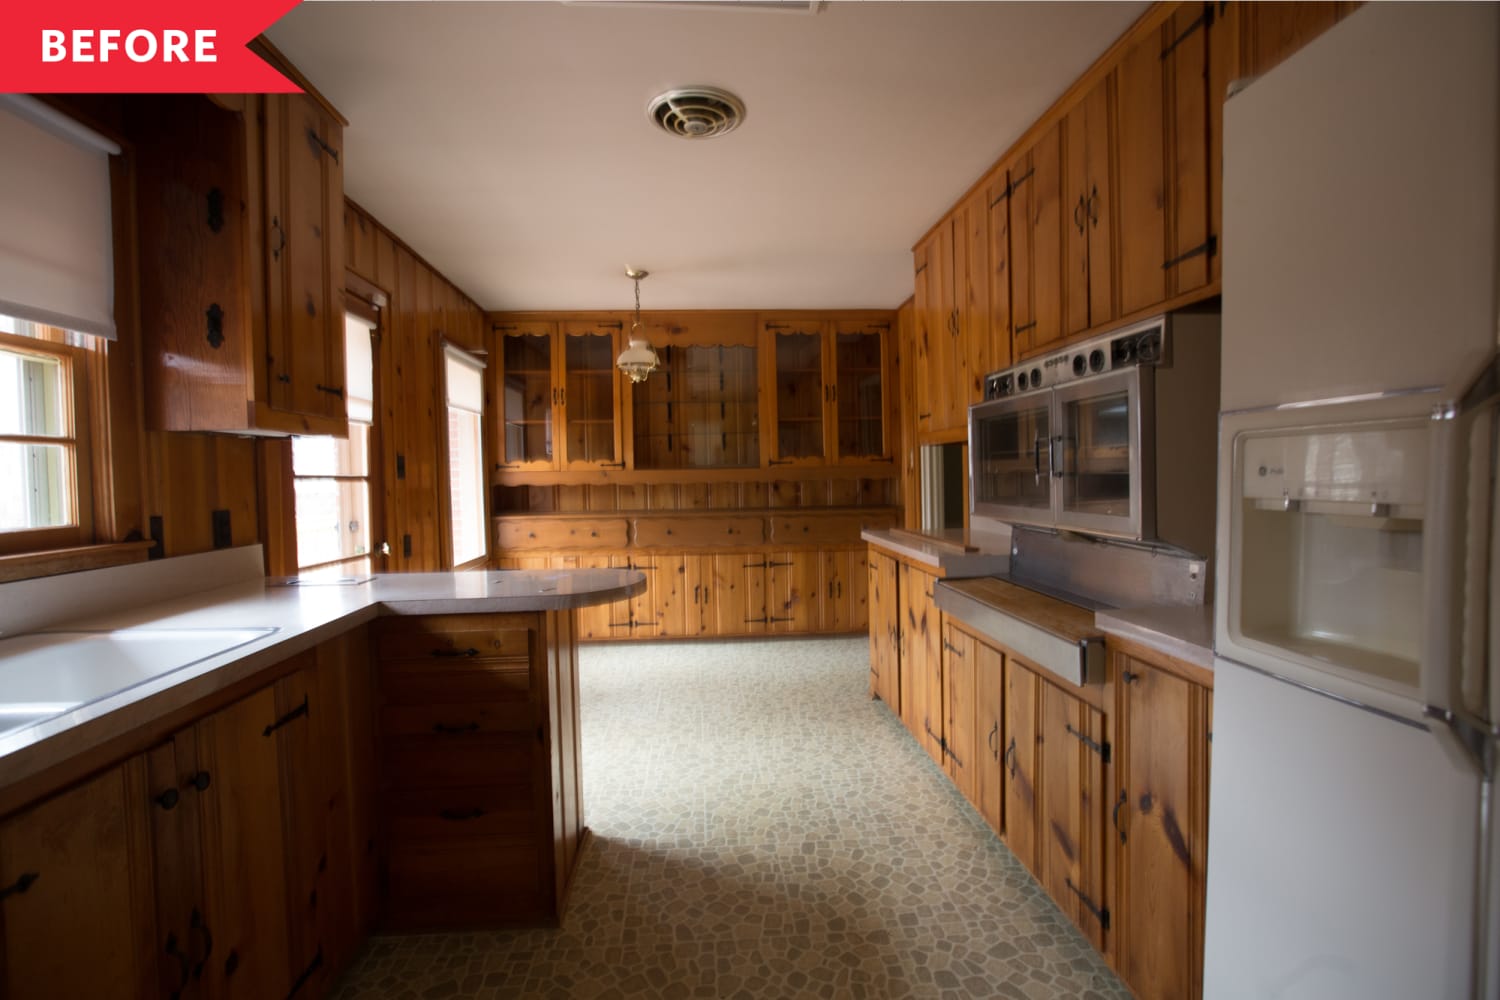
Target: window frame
<point x="79" y="377"/>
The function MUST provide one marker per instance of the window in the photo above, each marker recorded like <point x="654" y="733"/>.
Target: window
<point x="331" y="477"/>
<point x="45" y="500"/>
<point x="464" y="381"/>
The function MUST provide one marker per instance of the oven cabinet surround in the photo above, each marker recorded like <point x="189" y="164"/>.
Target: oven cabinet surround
<point x="240" y="202"/>
<point x="235" y="857"/>
<point x="1101" y="791"/>
<point x="709" y="575"/>
<point x="1106" y="209"/>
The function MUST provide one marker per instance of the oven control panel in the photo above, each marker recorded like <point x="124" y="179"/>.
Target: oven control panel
<point x="1142" y="344"/>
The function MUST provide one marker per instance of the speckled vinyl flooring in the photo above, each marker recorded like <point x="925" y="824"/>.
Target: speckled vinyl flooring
<point x="761" y="828"/>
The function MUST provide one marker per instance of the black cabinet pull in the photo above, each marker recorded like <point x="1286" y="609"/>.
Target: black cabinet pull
<point x="460" y="815"/>
<point x="280" y="243"/>
<point x="20" y="885"/>
<point x="1129" y="676"/>
<point x="214" y="330"/>
<point x="1115" y="816"/>
<point x="994" y="750"/>
<point x="182" y="960"/>
<point x="1010" y="756"/>
<point x="451" y="730"/>
<point x="291" y="716"/>
<point x="168" y="799"/>
<point x="1078" y="214"/>
<point x="231" y="963"/>
<point x="470" y="652"/>
<point x="215" y="210"/>
<point x="201" y="781"/>
<point x="307" y="973"/>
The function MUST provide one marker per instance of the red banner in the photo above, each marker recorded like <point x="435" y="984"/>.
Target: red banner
<point x="159" y="46"/>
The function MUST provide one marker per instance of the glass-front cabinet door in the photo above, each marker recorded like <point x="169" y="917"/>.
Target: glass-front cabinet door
<point x="529" y="396"/>
<point x="590" y="391"/>
<point x="1010" y="459"/>
<point x="858" y="391"/>
<point x="800" y="391"/>
<point x="698" y="410"/>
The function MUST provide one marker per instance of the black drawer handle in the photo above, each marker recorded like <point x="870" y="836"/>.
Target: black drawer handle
<point x="200" y="781"/>
<point x="1010" y="755"/>
<point x="291" y="716"/>
<point x="1115" y="816"/>
<point x="20" y="885"/>
<point x="452" y="730"/>
<point x="471" y="651"/>
<point x="460" y="815"/>
<point x="168" y="799"/>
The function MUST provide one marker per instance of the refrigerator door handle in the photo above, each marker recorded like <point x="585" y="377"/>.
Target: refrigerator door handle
<point x="1457" y="553"/>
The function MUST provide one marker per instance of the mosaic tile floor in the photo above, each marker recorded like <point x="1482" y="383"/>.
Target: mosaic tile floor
<point x="761" y="829"/>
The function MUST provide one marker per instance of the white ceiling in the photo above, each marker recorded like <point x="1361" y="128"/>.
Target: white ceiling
<point x="508" y="142"/>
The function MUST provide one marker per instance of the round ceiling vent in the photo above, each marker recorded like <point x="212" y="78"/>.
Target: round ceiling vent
<point x="696" y="112"/>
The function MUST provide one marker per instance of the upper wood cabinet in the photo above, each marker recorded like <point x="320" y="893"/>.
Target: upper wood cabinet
<point x="240" y="206"/>
<point x="825" y="391"/>
<point x="699" y="410"/>
<point x="1168" y="238"/>
<point x="1000" y="332"/>
<point x="1088" y="206"/>
<point x="956" y="298"/>
<point x="559" y="405"/>
<point x="1036" y="241"/>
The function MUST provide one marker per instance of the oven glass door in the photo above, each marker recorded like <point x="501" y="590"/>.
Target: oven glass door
<point x="1010" y="459"/>
<point x="1099" y="453"/>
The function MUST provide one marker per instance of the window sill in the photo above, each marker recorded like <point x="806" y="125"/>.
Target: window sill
<point x="26" y="565"/>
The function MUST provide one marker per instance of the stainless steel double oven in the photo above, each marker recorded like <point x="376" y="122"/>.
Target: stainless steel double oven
<point x="1113" y="437"/>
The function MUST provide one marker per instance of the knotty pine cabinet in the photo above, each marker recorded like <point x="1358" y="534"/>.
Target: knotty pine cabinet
<point x="240" y="205"/>
<point x="479" y="794"/>
<point x="76" y="893"/>
<point x="699" y="410"/>
<point x="1072" y="752"/>
<point x="885" y="626"/>
<point x="958" y="683"/>
<point x="1159" y="833"/>
<point x="1088" y="207"/>
<point x="1036" y="241"/>
<point x="921" y="660"/>
<point x="559" y="393"/>
<point x="826" y="391"/>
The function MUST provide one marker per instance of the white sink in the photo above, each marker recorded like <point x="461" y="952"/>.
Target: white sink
<point x="44" y="674"/>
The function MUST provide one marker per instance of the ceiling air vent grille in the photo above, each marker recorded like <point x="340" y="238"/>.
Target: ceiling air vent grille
<point x="696" y="112"/>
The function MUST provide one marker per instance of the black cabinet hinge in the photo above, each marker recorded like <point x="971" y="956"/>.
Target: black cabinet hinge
<point x="307" y="973"/>
<point x="1024" y="177"/>
<point x="1102" y="749"/>
<point x="1209" y="246"/>
<point x="400" y="466"/>
<point x="296" y="713"/>
<point x="1101" y="913"/>
<point x="223" y="531"/>
<point x="406" y="546"/>
<point x="1205" y="19"/>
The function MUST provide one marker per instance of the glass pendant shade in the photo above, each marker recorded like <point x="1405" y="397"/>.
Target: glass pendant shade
<point x="639" y="359"/>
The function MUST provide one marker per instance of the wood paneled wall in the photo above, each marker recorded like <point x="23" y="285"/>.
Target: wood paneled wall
<point x="423" y="311"/>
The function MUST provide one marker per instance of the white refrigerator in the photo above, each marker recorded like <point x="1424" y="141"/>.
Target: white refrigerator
<point x="1355" y="700"/>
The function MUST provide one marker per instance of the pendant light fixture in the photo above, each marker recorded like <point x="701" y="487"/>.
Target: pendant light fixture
<point x="639" y="359"/>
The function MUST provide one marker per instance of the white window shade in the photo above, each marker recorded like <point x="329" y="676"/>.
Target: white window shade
<point x="56" y="232"/>
<point x="359" y="369"/>
<point x="465" y="380"/>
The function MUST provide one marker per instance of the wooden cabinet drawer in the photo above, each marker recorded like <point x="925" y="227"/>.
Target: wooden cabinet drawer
<point x="453" y="884"/>
<point x="447" y="682"/>
<point x="457" y="720"/>
<point x="794" y="529"/>
<point x="415" y="762"/>
<point x="500" y="814"/>
<point x="462" y="640"/>
<point x="521" y="533"/>
<point x="699" y="532"/>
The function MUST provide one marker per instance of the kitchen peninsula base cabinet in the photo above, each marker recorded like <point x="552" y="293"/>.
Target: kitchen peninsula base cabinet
<point x="480" y="796"/>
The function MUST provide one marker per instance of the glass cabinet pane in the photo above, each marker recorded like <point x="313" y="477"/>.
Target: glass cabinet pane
<point x="861" y="427"/>
<point x="589" y="397"/>
<point x="527" y="407"/>
<point x="698" y="410"/>
<point x="799" y="395"/>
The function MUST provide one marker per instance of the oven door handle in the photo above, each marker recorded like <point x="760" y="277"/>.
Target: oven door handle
<point x="1055" y="455"/>
<point x="1036" y="454"/>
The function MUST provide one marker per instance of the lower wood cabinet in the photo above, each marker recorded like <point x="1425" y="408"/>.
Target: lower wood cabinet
<point x="1160" y="835"/>
<point x="921" y="660"/>
<point x="884" y="625"/>
<point x="76" y="897"/>
<point x="1071" y="754"/>
<point x="480" y="793"/>
<point x="1019" y="761"/>
<point x="958" y="710"/>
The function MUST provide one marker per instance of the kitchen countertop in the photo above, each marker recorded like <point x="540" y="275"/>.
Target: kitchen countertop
<point x="302" y="616"/>
<point x="1183" y="631"/>
<point x="949" y="557"/>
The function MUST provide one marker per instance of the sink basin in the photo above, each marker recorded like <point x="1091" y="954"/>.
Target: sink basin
<point x="44" y="674"/>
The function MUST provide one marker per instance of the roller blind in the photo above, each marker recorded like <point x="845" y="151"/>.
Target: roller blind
<point x="465" y="380"/>
<point x="56" y="232"/>
<point x="359" y="373"/>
